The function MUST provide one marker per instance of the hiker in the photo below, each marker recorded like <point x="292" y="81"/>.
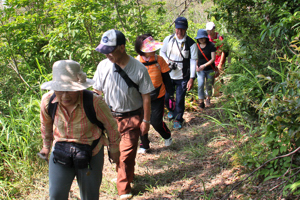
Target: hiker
<point x="180" y="52"/>
<point x="126" y="86"/>
<point x="205" y="67"/>
<point x="158" y="70"/>
<point x="77" y="143"/>
<point x="220" y="55"/>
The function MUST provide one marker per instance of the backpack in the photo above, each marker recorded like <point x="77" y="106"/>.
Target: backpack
<point x="154" y="94"/>
<point x="87" y="105"/>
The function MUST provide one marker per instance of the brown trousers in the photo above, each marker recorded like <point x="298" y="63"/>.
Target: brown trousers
<point x="129" y="128"/>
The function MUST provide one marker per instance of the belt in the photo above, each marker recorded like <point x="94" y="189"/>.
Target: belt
<point x="127" y="114"/>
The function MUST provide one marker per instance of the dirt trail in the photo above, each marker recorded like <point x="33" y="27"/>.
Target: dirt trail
<point x="195" y="166"/>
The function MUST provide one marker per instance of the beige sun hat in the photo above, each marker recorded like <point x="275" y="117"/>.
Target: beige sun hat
<point x="67" y="76"/>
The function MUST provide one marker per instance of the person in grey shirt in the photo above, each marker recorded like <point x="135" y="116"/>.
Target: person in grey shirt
<point x="130" y="103"/>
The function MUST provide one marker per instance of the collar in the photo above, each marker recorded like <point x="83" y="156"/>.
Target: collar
<point x="181" y="40"/>
<point x="150" y="59"/>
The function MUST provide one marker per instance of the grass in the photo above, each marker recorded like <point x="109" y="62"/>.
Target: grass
<point x="19" y="138"/>
<point x="198" y="165"/>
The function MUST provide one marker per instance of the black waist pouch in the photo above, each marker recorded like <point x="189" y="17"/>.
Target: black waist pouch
<point x="72" y="154"/>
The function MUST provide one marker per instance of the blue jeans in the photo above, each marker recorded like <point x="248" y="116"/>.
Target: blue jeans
<point x="207" y="77"/>
<point x="61" y="178"/>
<point x="180" y="98"/>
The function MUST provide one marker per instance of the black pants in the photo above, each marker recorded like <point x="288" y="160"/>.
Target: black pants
<point x="156" y="120"/>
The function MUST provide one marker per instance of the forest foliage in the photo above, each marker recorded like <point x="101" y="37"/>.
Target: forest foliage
<point x="262" y="79"/>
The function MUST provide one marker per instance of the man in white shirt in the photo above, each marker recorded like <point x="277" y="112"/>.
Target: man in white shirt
<point x="128" y="98"/>
<point x="180" y="52"/>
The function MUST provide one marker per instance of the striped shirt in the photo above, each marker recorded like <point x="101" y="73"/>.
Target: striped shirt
<point x="155" y="72"/>
<point x="76" y="127"/>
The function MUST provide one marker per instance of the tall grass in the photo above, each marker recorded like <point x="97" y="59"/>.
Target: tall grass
<point x="20" y="141"/>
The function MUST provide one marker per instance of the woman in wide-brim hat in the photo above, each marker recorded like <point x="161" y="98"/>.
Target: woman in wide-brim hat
<point x="158" y="70"/>
<point x="70" y="129"/>
<point x="205" y="66"/>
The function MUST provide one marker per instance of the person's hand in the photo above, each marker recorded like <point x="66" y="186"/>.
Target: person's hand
<point x="145" y="127"/>
<point x="45" y="153"/>
<point x="200" y="68"/>
<point x="114" y="156"/>
<point x="220" y="67"/>
<point x="190" y="84"/>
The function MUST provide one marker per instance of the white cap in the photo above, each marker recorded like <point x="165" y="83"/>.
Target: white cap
<point x="210" y="26"/>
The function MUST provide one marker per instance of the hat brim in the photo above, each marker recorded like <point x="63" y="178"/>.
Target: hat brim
<point x="105" y="49"/>
<point x="152" y="49"/>
<point x="181" y="26"/>
<point x="67" y="86"/>
<point x="201" y="37"/>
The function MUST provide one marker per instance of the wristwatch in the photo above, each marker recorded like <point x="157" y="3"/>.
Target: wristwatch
<point x="148" y="122"/>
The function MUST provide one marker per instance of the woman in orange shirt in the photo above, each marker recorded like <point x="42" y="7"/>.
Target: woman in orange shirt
<point x="158" y="70"/>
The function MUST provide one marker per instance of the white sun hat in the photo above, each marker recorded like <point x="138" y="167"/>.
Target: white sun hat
<point x="210" y="26"/>
<point x="67" y="76"/>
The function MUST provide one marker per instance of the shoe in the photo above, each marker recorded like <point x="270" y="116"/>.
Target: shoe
<point x="170" y="115"/>
<point x="142" y="150"/>
<point x="168" y="142"/>
<point x="177" y="125"/>
<point x="201" y="105"/>
<point x="126" y="196"/>
<point x="207" y="102"/>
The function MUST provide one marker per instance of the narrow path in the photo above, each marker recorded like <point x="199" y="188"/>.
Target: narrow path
<point x="196" y="166"/>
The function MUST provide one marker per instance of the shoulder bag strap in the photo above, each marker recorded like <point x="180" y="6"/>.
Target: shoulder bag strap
<point x="128" y="81"/>
<point x="204" y="56"/>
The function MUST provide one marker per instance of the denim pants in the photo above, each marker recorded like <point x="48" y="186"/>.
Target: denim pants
<point x="129" y="128"/>
<point x="208" y="78"/>
<point x="180" y="98"/>
<point x="156" y="120"/>
<point x="61" y="178"/>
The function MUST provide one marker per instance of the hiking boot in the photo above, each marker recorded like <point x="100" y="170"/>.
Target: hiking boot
<point x="142" y="150"/>
<point x="126" y="196"/>
<point x="168" y="142"/>
<point x="207" y="103"/>
<point x="170" y="115"/>
<point x="201" y="105"/>
<point x="177" y="125"/>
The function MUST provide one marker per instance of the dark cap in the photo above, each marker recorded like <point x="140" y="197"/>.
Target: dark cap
<point x="181" y="22"/>
<point x="110" y="40"/>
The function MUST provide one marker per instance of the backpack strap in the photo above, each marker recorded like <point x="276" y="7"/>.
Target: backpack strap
<point x="90" y="112"/>
<point x="188" y="43"/>
<point x="89" y="109"/>
<point x="126" y="78"/>
<point x="52" y="107"/>
<point x="151" y="63"/>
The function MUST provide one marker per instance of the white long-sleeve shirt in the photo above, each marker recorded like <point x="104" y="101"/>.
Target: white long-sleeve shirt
<point x="171" y="50"/>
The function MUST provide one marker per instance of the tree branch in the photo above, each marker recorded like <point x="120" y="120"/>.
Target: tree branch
<point x="185" y="8"/>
